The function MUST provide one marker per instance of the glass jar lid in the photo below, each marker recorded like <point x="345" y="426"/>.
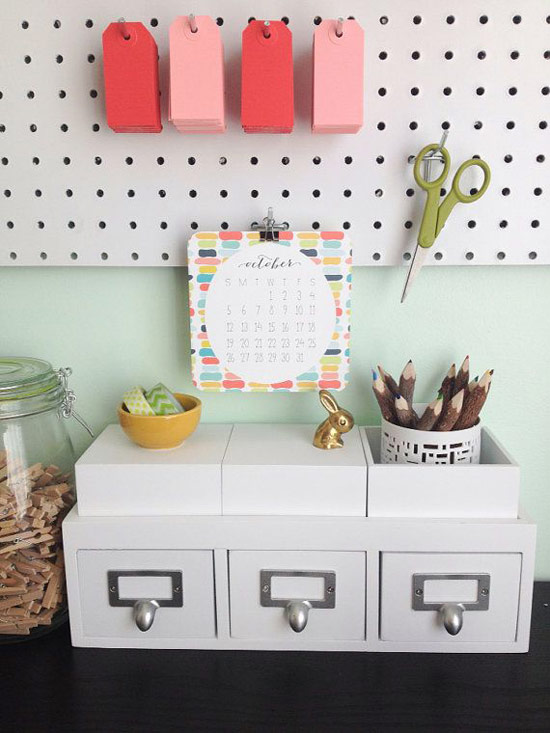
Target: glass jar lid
<point x="28" y="386"/>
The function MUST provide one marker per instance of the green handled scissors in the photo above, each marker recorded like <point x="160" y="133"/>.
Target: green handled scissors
<point x="435" y="214"/>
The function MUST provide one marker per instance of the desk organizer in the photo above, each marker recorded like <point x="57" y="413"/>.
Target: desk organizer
<point x="145" y="570"/>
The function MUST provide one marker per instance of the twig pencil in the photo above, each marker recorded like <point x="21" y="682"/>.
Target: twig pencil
<point x="462" y="376"/>
<point x="431" y="414"/>
<point x="472" y="384"/>
<point x="389" y="380"/>
<point x="384" y="398"/>
<point x="447" y="384"/>
<point x="407" y="381"/>
<point x="474" y="403"/>
<point x="451" y="413"/>
<point x="406" y="416"/>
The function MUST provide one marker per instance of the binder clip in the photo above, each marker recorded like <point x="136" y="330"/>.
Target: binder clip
<point x="269" y="229"/>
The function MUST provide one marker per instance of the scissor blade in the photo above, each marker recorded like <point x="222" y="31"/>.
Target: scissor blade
<point x="415" y="266"/>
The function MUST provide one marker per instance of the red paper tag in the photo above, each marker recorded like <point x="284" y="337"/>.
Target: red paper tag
<point x="267" y="103"/>
<point x="130" y="67"/>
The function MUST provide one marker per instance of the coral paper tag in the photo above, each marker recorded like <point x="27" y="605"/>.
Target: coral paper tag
<point x="130" y="67"/>
<point x="267" y="102"/>
<point x="338" y="77"/>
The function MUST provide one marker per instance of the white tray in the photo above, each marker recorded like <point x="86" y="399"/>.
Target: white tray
<point x="487" y="490"/>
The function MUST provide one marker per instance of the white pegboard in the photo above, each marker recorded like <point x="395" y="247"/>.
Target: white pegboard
<point x="75" y="193"/>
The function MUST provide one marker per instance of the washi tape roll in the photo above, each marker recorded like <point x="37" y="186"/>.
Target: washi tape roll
<point x="135" y="402"/>
<point x="162" y="400"/>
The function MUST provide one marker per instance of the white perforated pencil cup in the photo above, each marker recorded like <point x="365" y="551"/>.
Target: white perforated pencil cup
<point x="425" y="447"/>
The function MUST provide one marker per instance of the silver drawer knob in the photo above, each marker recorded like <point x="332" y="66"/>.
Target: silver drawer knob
<point x="144" y="614"/>
<point x="298" y="613"/>
<point x="453" y="617"/>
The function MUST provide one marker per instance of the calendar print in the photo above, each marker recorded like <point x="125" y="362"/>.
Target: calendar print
<point x="269" y="316"/>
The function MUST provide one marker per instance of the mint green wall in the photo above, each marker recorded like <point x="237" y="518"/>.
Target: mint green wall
<point x="120" y="327"/>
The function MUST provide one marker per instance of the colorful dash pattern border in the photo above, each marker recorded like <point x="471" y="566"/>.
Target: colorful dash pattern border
<point x="331" y="251"/>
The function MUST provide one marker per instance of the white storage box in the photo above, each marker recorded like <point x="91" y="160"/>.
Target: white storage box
<point x="115" y="477"/>
<point x="275" y="469"/>
<point x="489" y="489"/>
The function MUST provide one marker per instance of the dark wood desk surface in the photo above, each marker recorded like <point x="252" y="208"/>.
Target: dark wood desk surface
<point x="46" y="685"/>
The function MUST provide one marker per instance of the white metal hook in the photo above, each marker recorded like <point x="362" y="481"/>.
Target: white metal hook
<point x="124" y="29"/>
<point x="265" y="29"/>
<point x="339" y="27"/>
<point x="193" y="23"/>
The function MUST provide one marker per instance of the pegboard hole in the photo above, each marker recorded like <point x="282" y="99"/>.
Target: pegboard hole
<point x="223" y="160"/>
<point x="69" y="193"/>
<point x="516" y="19"/>
<point x="254" y="160"/>
<point x="384" y="20"/>
<point x="480" y="91"/>
<point x="74" y="255"/>
<point x="43" y="255"/>
<point x="415" y="55"/>
<point x="503" y="224"/>
<point x="132" y="224"/>
<point x="160" y="160"/>
<point x="510" y="125"/>
<point x="40" y="224"/>
<point x="545" y="91"/>
<point x="508" y="158"/>
<point x="379" y="193"/>
<point x="5" y="161"/>
<point x="417" y="19"/>
<point x="445" y="125"/>
<point x="316" y="193"/>
<point x="348" y="160"/>
<point x="30" y="94"/>
<point x="376" y="256"/>
<point x="104" y="256"/>
<point x="28" y="59"/>
<point x="413" y="125"/>
<point x="532" y="255"/>
<point x="24" y="24"/>
<point x="135" y="256"/>
<point x="99" y="193"/>
<point x="89" y="23"/>
<point x="13" y="255"/>
<point x="407" y="256"/>
<point x="449" y="55"/>
<point x="316" y="160"/>
<point x="514" y="55"/>
<point x="535" y="224"/>
<point x="450" y="19"/>
<point x="346" y="225"/>
<point x="383" y="55"/>
<point x="380" y="159"/>
<point x="410" y="192"/>
<point x="93" y="93"/>
<point x="223" y="193"/>
<point x="482" y="55"/>
<point x="377" y="224"/>
<point x="165" y="256"/>
<point x="501" y="255"/>
<point x="471" y="224"/>
<point x="408" y="224"/>
<point x="91" y="58"/>
<point x="98" y="160"/>
<point x="317" y="20"/>
<point x="57" y="24"/>
<point x="64" y="127"/>
<point x="38" y="193"/>
<point x="162" y="193"/>
<point x="154" y="22"/>
<point x="347" y="193"/>
<point x="190" y="160"/>
<point x="254" y="193"/>
<point x="315" y="225"/>
<point x="193" y="193"/>
<point x="469" y="255"/>
<point x="483" y="19"/>
<point x="71" y="224"/>
<point x="224" y="225"/>
<point x="10" y="224"/>
<point x="505" y="191"/>
<point x="285" y="19"/>
<point x="285" y="193"/>
<point x="537" y="191"/>
<point x="102" y="224"/>
<point x="194" y="225"/>
<point x="382" y="92"/>
<point x="164" y="225"/>
<point x="447" y="91"/>
<point x="33" y="127"/>
<point x="438" y="256"/>
<point x="540" y="158"/>
<point x="95" y="127"/>
<point x="219" y="20"/>
<point x="478" y="124"/>
<point x="546" y="55"/>
<point x="415" y="91"/>
<point x="2" y="128"/>
<point x="251" y="19"/>
<point x="62" y="94"/>
<point x="130" y="193"/>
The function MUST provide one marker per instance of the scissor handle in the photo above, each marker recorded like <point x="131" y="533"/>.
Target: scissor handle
<point x="455" y="195"/>
<point x="468" y="198"/>
<point x="419" y="178"/>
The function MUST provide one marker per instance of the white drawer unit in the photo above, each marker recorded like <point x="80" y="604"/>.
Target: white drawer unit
<point x="165" y="595"/>
<point x="463" y="597"/>
<point x="297" y="596"/>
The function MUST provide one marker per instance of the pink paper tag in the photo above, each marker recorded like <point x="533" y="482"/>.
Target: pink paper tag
<point x="338" y="78"/>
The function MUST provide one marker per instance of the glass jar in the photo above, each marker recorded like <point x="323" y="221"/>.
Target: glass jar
<point x="37" y="490"/>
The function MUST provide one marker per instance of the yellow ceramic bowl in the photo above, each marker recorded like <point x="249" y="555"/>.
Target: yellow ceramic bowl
<point x="162" y="431"/>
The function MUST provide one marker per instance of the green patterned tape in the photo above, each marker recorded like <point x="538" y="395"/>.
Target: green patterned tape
<point x="163" y="401"/>
<point x="135" y="402"/>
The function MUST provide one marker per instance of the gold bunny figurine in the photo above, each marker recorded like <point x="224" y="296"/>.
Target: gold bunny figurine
<point x="327" y="435"/>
